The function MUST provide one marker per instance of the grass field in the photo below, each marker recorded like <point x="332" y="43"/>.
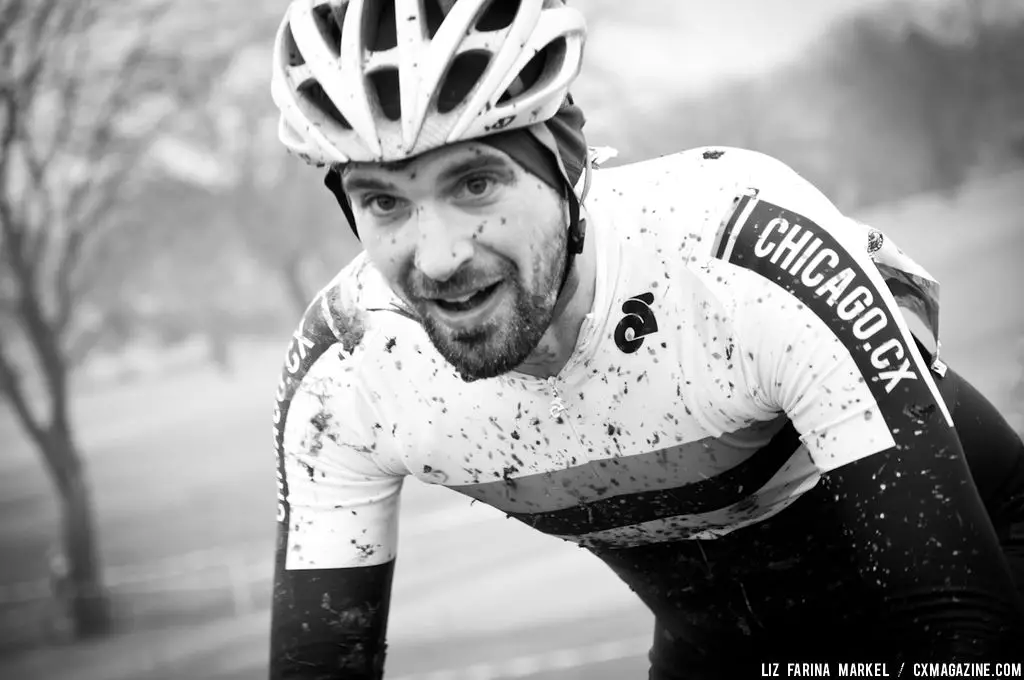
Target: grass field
<point x="183" y="474"/>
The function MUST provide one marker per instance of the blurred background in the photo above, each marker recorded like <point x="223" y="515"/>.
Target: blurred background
<point x="157" y="247"/>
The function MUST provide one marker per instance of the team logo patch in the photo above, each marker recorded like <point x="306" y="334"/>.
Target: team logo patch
<point x="638" y="323"/>
<point x="806" y="260"/>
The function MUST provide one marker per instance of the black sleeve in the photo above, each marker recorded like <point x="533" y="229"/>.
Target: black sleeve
<point x="925" y="547"/>
<point x="329" y="623"/>
<point x="994" y="452"/>
<point x="826" y="344"/>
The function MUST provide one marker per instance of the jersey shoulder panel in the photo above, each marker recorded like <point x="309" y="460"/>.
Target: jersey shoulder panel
<point x="765" y="259"/>
<point x="822" y="335"/>
<point x="338" y="473"/>
<point x="678" y="202"/>
<point x="333" y="352"/>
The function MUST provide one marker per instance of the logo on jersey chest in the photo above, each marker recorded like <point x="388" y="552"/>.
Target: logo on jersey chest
<point x="810" y="263"/>
<point x="638" y="323"/>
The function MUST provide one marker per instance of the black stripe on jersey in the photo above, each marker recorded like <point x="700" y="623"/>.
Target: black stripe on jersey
<point x="665" y="468"/>
<point x="706" y="495"/>
<point x="808" y="262"/>
<point x="722" y="238"/>
<point x="310" y="341"/>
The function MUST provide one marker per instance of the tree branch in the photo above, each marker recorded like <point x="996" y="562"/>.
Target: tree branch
<point x="9" y="15"/>
<point x="10" y="387"/>
<point x="7" y="137"/>
<point x="13" y="250"/>
<point x="39" y="333"/>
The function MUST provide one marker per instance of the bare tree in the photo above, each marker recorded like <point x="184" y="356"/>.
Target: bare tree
<point x="84" y="90"/>
<point x="285" y="234"/>
<point x="277" y="207"/>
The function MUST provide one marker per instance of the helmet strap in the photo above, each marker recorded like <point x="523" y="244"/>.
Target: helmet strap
<point x="332" y="180"/>
<point x="574" y="244"/>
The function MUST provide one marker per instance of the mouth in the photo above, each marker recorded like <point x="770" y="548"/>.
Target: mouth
<point x="467" y="302"/>
<point x="471" y="309"/>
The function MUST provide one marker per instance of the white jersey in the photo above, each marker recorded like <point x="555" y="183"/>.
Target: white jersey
<point x="741" y="339"/>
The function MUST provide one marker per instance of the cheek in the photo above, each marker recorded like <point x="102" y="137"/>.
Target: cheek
<point x="528" y="230"/>
<point x="389" y="251"/>
<point x="531" y="218"/>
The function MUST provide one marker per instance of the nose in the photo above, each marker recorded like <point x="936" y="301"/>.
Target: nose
<point x="441" y="249"/>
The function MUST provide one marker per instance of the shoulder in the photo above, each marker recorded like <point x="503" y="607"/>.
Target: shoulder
<point x="702" y="209"/>
<point x="723" y="166"/>
<point x="771" y="249"/>
<point x="335" y="316"/>
<point x="342" y="333"/>
<point x="355" y="306"/>
<point x="687" y="195"/>
<point x="746" y="206"/>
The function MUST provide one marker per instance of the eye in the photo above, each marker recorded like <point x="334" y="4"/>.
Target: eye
<point x="476" y="186"/>
<point x="381" y="205"/>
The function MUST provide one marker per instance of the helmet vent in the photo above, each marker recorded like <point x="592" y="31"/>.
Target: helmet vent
<point x="385" y="83"/>
<point x="462" y="77"/>
<point x="328" y="27"/>
<point x="291" y="49"/>
<point x="316" y="95"/>
<point x="499" y="15"/>
<point x="541" y="68"/>
<point x="379" y="31"/>
<point x="435" y="16"/>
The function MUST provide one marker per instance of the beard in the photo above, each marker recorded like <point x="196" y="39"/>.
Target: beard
<point x="516" y="327"/>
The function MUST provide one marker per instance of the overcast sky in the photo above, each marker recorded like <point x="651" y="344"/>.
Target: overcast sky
<point x="709" y="38"/>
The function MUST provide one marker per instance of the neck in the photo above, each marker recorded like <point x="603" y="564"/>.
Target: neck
<point x="575" y="302"/>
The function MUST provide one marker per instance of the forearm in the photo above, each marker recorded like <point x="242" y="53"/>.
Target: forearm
<point x="928" y="554"/>
<point x="330" y="623"/>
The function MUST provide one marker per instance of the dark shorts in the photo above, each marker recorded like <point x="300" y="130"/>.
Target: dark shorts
<point x="760" y="568"/>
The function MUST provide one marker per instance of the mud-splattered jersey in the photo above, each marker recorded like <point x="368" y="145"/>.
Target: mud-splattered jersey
<point x="742" y="342"/>
<point x="749" y="351"/>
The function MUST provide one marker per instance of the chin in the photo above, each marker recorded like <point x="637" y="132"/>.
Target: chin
<point x="476" y="360"/>
<point x="480" y="354"/>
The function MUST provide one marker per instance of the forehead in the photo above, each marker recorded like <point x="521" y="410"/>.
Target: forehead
<point x="448" y="160"/>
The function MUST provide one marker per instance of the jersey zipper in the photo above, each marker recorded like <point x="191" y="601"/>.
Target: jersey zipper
<point x="559" y="410"/>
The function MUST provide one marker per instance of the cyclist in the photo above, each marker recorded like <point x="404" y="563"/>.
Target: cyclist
<point x="694" y="366"/>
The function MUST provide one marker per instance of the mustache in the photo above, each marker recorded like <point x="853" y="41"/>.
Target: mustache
<point x="462" y="281"/>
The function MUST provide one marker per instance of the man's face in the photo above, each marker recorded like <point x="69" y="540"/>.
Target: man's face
<point x="472" y="242"/>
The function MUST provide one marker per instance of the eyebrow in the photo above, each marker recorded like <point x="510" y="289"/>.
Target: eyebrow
<point x="483" y="161"/>
<point x="370" y="183"/>
<point x="359" y="183"/>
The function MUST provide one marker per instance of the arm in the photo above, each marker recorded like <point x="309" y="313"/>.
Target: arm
<point x="833" y="352"/>
<point x="330" y="623"/>
<point x="337" y="520"/>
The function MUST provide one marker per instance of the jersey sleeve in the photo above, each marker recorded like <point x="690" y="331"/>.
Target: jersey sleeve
<point x="337" y="512"/>
<point x="823" y="341"/>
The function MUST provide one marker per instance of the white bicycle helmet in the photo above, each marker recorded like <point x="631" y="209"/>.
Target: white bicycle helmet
<point x="385" y="80"/>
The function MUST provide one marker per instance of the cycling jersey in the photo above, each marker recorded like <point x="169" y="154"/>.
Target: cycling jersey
<point x="747" y="346"/>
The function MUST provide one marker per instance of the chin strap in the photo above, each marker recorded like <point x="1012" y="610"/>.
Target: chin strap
<point x="577" y="225"/>
<point x="332" y="180"/>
